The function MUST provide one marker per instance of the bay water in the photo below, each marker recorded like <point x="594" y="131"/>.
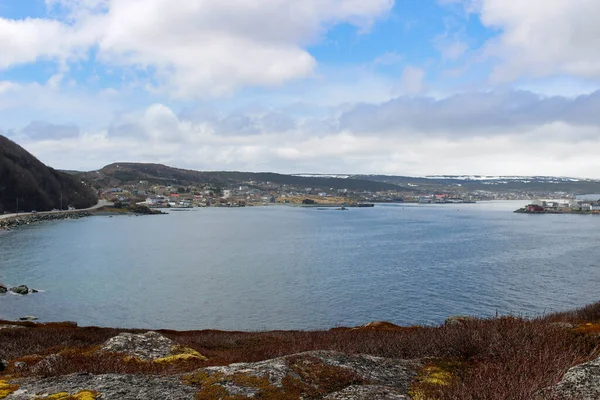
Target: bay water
<point x="279" y="267"/>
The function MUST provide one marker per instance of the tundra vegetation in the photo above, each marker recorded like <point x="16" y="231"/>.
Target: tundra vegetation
<point x="504" y="357"/>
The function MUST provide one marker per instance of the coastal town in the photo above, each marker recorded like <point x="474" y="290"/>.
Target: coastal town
<point x="266" y="193"/>
<point x="257" y="193"/>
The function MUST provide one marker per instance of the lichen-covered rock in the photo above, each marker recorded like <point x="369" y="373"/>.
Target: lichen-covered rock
<point x="316" y="374"/>
<point x="367" y="392"/>
<point x="581" y="382"/>
<point x="146" y="346"/>
<point x="108" y="387"/>
<point x="23" y="290"/>
<point x="150" y="346"/>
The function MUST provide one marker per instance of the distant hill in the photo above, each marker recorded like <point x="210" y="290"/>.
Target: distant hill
<point x="496" y="184"/>
<point x="123" y="173"/>
<point x="26" y="180"/>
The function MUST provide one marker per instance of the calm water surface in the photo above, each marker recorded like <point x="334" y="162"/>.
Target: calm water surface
<point x="301" y="268"/>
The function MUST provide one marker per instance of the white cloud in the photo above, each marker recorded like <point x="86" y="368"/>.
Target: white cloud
<point x="541" y="37"/>
<point x="388" y="58"/>
<point x="6" y="86"/>
<point x="511" y="132"/>
<point x="29" y="40"/>
<point x="454" y="50"/>
<point x="195" y="48"/>
<point x="412" y="80"/>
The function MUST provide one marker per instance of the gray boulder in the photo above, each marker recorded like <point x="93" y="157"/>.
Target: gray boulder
<point x="146" y="346"/>
<point x="580" y="382"/>
<point x="23" y="290"/>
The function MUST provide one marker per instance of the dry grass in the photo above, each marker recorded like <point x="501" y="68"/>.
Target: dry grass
<point x="498" y="358"/>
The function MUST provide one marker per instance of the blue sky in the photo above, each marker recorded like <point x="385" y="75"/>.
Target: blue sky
<point x="409" y="87"/>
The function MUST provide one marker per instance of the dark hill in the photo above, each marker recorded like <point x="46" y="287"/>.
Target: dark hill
<point x="26" y="180"/>
<point x="122" y="173"/>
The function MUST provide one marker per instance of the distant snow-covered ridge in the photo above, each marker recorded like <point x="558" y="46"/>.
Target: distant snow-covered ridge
<point x="509" y="178"/>
<point x="524" y="179"/>
<point x="344" y="176"/>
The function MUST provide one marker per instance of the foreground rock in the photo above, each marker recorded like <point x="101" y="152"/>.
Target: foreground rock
<point x="106" y="387"/>
<point x="311" y="375"/>
<point x="318" y="374"/>
<point x="367" y="392"/>
<point x="581" y="382"/>
<point x="149" y="346"/>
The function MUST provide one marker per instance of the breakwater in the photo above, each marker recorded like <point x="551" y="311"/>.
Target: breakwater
<point x="14" y="222"/>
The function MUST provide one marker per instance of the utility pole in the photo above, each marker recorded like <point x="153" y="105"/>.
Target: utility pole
<point x="17" y="206"/>
<point x="61" y="202"/>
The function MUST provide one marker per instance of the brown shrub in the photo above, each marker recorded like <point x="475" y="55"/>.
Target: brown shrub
<point x="500" y="358"/>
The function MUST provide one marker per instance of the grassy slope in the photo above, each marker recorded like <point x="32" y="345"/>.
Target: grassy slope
<point x="498" y="358"/>
<point x="122" y="173"/>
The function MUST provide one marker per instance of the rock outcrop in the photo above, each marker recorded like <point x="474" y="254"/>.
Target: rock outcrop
<point x="22" y="289"/>
<point x="580" y="382"/>
<point x="105" y="387"/>
<point x="367" y="392"/>
<point x="315" y="375"/>
<point x="149" y="346"/>
<point x="3" y="289"/>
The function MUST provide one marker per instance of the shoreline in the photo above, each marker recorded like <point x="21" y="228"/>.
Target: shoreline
<point x="13" y="222"/>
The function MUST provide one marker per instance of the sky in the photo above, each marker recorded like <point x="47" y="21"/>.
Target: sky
<point x="404" y="87"/>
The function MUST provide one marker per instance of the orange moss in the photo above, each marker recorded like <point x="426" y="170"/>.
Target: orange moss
<point x="588" y="328"/>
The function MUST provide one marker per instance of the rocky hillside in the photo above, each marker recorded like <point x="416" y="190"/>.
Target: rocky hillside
<point x="26" y="181"/>
<point x="123" y="173"/>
